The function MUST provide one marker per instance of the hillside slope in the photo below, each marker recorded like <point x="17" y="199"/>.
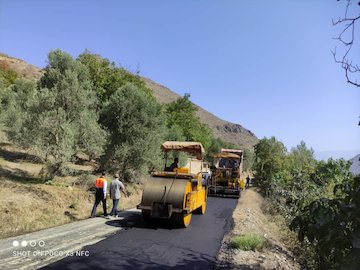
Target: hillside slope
<point x="225" y="130"/>
<point x="22" y="68"/>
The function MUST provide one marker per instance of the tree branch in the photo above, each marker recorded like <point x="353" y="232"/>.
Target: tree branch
<point x="352" y="71"/>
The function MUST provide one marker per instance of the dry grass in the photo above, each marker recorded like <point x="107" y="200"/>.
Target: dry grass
<point x="20" y="67"/>
<point x="31" y="169"/>
<point x="134" y="197"/>
<point x="27" y="204"/>
<point x="26" y="208"/>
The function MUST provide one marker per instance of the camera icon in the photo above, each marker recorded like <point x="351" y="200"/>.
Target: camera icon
<point x="31" y="243"/>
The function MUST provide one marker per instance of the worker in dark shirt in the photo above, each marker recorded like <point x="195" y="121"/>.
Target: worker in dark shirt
<point x="174" y="165"/>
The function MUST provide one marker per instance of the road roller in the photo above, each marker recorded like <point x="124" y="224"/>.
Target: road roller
<point x="226" y="175"/>
<point x="176" y="193"/>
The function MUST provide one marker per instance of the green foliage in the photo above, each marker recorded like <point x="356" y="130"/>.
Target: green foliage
<point x="58" y="118"/>
<point x="322" y="196"/>
<point x="302" y="159"/>
<point x="215" y="147"/>
<point x="182" y="120"/>
<point x="135" y="125"/>
<point x="249" y="159"/>
<point x="270" y="162"/>
<point x="15" y="102"/>
<point x="333" y="227"/>
<point x="107" y="77"/>
<point x="248" y="242"/>
<point x="7" y="75"/>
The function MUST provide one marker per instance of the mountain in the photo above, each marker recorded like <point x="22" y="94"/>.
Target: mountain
<point x="22" y="68"/>
<point x="355" y="167"/>
<point x="225" y="130"/>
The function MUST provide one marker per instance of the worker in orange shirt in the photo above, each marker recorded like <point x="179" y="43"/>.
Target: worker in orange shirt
<point x="100" y="195"/>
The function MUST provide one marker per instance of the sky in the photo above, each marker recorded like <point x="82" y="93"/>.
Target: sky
<point x="266" y="65"/>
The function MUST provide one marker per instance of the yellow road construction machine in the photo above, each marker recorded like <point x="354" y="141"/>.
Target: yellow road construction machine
<point x="175" y="195"/>
<point x="226" y="175"/>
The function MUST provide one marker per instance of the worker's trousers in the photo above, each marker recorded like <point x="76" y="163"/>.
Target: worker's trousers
<point x="115" y="206"/>
<point x="99" y="197"/>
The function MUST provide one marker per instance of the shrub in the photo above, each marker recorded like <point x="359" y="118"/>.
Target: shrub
<point x="248" y="242"/>
<point x="86" y="181"/>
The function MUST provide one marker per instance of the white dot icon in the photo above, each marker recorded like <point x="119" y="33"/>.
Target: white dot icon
<point x="41" y="243"/>
<point x="24" y="243"/>
<point x="16" y="243"/>
<point x="32" y="243"/>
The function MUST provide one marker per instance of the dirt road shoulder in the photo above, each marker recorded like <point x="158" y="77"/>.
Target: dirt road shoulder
<point x="250" y="219"/>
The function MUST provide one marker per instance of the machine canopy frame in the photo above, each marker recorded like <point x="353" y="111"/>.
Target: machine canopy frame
<point x="226" y="155"/>
<point x="194" y="148"/>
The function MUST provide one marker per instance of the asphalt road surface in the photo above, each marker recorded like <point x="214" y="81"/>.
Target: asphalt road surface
<point x="161" y="247"/>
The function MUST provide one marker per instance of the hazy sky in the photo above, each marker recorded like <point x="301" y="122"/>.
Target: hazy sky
<point x="266" y="65"/>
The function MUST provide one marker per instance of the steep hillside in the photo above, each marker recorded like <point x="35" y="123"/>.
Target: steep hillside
<point x="20" y="67"/>
<point x="355" y="167"/>
<point x="227" y="131"/>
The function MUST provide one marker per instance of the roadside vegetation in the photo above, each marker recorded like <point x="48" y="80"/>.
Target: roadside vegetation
<point x="248" y="242"/>
<point x="320" y="201"/>
<point x="82" y="116"/>
<point x="88" y="106"/>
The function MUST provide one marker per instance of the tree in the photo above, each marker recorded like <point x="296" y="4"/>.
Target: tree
<point x="332" y="226"/>
<point x="15" y="101"/>
<point x="134" y="123"/>
<point x="270" y="164"/>
<point x="107" y="77"/>
<point x="302" y="159"/>
<point x="60" y="119"/>
<point x="249" y="159"/>
<point x="347" y="39"/>
<point x="181" y="114"/>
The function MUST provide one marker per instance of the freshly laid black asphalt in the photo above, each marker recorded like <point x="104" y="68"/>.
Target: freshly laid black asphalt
<point x="161" y="247"/>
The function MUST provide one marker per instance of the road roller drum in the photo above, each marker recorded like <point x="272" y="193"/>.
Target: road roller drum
<point x="175" y="195"/>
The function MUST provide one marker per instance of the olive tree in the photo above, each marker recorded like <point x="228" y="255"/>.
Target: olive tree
<point x="60" y="117"/>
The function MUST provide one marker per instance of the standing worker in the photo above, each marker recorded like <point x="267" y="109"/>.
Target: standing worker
<point x="115" y="187"/>
<point x="100" y="195"/>
<point x="248" y="181"/>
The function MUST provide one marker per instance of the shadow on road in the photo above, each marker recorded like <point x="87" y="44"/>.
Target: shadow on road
<point x="115" y="260"/>
<point x="133" y="219"/>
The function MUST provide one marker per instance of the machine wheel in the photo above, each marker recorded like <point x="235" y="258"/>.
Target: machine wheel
<point x="201" y="210"/>
<point x="181" y="220"/>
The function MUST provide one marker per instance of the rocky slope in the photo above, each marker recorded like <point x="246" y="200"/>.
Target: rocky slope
<point x="225" y="130"/>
